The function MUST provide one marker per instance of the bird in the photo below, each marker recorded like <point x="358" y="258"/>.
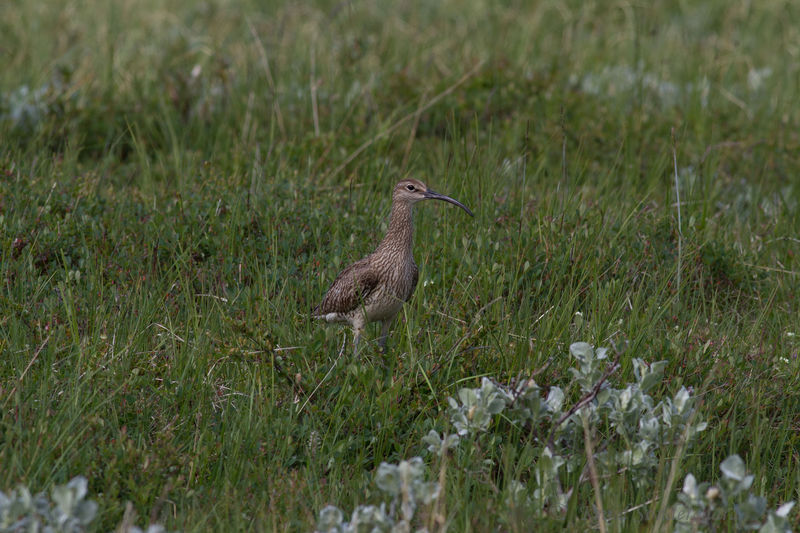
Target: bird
<point x="375" y="288"/>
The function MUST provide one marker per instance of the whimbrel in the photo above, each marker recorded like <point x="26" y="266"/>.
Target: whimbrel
<point x="375" y="288"/>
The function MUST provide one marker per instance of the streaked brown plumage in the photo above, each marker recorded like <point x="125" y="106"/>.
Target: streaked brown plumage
<point x="375" y="288"/>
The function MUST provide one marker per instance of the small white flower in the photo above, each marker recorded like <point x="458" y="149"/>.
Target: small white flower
<point x="756" y="77"/>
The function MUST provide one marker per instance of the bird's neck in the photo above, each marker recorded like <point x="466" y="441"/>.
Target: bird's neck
<point x="400" y="236"/>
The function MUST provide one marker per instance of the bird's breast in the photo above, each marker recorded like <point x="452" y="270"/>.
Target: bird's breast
<point x="398" y="280"/>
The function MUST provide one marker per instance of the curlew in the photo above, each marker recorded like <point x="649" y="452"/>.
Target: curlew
<point x="375" y="288"/>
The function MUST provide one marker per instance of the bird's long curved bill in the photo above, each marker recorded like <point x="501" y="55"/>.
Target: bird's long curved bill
<point x="436" y="196"/>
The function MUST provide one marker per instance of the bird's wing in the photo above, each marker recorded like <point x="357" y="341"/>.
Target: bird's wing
<point x="349" y="290"/>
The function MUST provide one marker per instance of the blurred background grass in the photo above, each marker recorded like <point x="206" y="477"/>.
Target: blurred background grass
<point x="181" y="180"/>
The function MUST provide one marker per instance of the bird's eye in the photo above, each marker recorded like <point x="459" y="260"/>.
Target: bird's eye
<point x="410" y="187"/>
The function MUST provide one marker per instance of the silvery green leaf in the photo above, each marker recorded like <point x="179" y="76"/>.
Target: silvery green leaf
<point x="25" y="498"/>
<point x="639" y="368"/>
<point x="451" y="441"/>
<point x="690" y="487"/>
<point x="733" y="468"/>
<point x="758" y="504"/>
<point x="562" y="500"/>
<point x="433" y="440"/>
<point x="460" y="423"/>
<point x="80" y="487"/>
<point x="649" y="427"/>
<point x="785" y="509"/>
<point x="452" y="402"/>
<point x="582" y="351"/>
<point x="653" y="377"/>
<point x="468" y="397"/>
<point x="9" y="512"/>
<point x="427" y="492"/>
<point x="481" y="419"/>
<point x="437" y="444"/>
<point x="555" y="399"/>
<point x="601" y="353"/>
<point x="625" y="458"/>
<point x="388" y="478"/>
<point x="683" y="515"/>
<point x="417" y="463"/>
<point x="85" y="512"/>
<point x="496" y="405"/>
<point x="551" y="461"/>
<point x="370" y="518"/>
<point x="531" y="387"/>
<point x="604" y="396"/>
<point x="330" y="518"/>
<point x="775" y="524"/>
<point x="681" y="400"/>
<point x="625" y="397"/>
<point x="412" y="468"/>
<point x="487" y="386"/>
<point x="517" y="493"/>
<point x="639" y="453"/>
<point x="665" y="407"/>
<point x="746" y="483"/>
<point x="64" y="498"/>
<point x="644" y="400"/>
<point x="750" y="511"/>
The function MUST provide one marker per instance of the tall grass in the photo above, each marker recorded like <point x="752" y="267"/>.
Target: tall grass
<point x="179" y="182"/>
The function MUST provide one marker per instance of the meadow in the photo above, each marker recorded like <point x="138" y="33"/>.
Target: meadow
<point x="181" y="181"/>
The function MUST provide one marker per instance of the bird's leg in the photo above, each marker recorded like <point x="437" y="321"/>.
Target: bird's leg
<point x="358" y="329"/>
<point x="385" y="327"/>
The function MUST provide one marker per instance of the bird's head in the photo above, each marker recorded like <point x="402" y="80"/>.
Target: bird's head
<point x="413" y="191"/>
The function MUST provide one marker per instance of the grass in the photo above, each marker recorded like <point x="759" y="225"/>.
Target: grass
<point x="181" y="181"/>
